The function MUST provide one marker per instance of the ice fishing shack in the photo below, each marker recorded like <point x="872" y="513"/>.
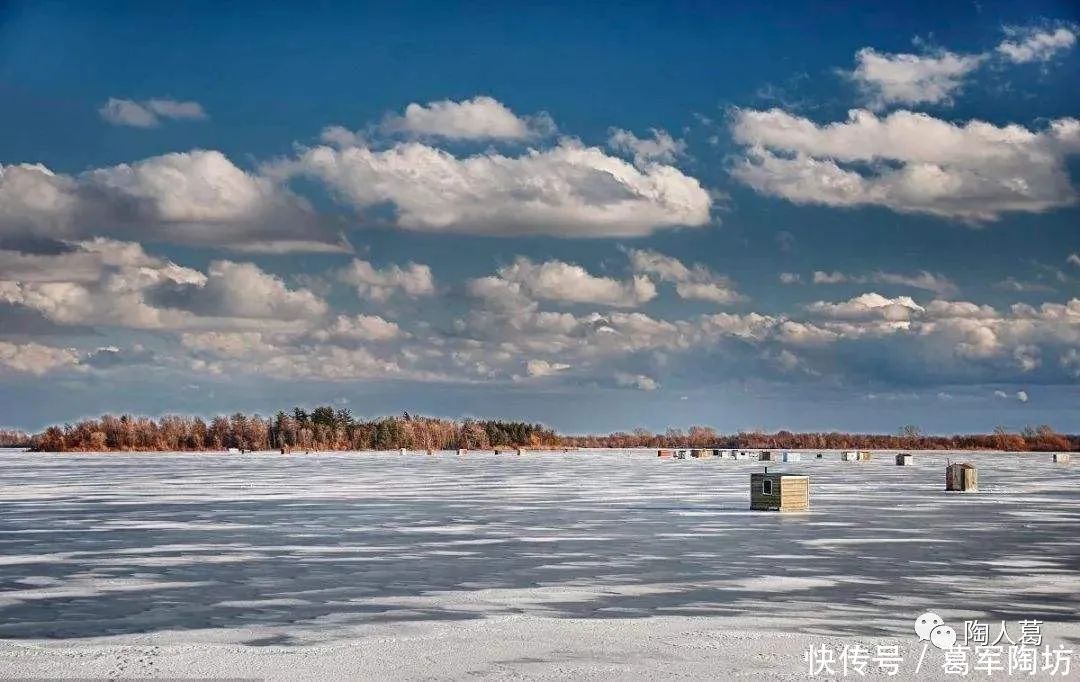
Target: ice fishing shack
<point x="779" y="491"/>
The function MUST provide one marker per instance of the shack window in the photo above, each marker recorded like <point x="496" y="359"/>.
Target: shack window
<point x="766" y="486"/>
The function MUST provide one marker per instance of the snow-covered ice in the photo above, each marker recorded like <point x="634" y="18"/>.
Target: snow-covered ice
<point x="607" y="565"/>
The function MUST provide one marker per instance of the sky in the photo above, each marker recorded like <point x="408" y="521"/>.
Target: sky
<point x="599" y="216"/>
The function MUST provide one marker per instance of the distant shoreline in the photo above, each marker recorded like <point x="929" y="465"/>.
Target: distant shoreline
<point x="509" y="452"/>
<point x="329" y="429"/>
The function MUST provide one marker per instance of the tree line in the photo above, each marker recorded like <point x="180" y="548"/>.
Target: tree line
<point x="1039" y="439"/>
<point x="327" y="428"/>
<point x="13" y="438"/>
<point x="323" y="428"/>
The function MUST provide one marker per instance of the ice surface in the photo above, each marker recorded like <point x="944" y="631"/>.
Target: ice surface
<point x="600" y="564"/>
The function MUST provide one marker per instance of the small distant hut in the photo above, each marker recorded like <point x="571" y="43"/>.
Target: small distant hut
<point x="665" y="454"/>
<point x="682" y="454"/>
<point x="404" y="451"/>
<point x="961" y="478"/>
<point x="742" y="455"/>
<point x="904" y="459"/>
<point x="701" y="454"/>
<point x="722" y="454"/>
<point x="850" y="456"/>
<point x="792" y="457"/>
<point x="864" y="456"/>
<point x="779" y="492"/>
<point x="1061" y="458"/>
<point x="463" y="451"/>
<point x="767" y="456"/>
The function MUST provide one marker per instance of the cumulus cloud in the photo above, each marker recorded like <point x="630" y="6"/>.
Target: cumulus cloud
<point x="868" y="306"/>
<point x="1025" y="45"/>
<point x="228" y="344"/>
<point x="963" y="309"/>
<point x="522" y="281"/>
<point x="359" y="328"/>
<point x="198" y="198"/>
<point x="148" y="113"/>
<point x="639" y="381"/>
<point x="479" y="118"/>
<point x="413" y="280"/>
<point x="35" y="358"/>
<point x="1073" y="259"/>
<point x="286" y="356"/>
<point x="694" y="282"/>
<point x="240" y="290"/>
<point x="110" y="357"/>
<point x="119" y="284"/>
<point x="1070" y="362"/>
<point x="908" y="162"/>
<point x="544" y="368"/>
<point x="790" y="278"/>
<point x="935" y="77"/>
<point x="662" y="147"/>
<point x="889" y="79"/>
<point x="569" y="190"/>
<point x="499" y="293"/>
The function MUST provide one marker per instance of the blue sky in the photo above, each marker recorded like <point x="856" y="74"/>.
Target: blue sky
<point x="809" y="216"/>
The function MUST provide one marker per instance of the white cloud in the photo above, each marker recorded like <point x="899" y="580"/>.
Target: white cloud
<point x="868" y="306"/>
<point x="479" y="118"/>
<point x="1070" y="362"/>
<point x="148" y="113"/>
<point x="1035" y="45"/>
<point x="934" y="78"/>
<point x="661" y="148"/>
<point x="35" y="358"/>
<point x="199" y="198"/>
<point x="1011" y="283"/>
<point x="696" y="282"/>
<point x="1027" y="357"/>
<point x="568" y="190"/>
<point x="543" y="368"/>
<point x="890" y="79"/>
<point x="500" y="294"/>
<point x="329" y="363"/>
<point x="829" y="277"/>
<point x="359" y="328"/>
<point x="1022" y="396"/>
<point x="908" y="162"/>
<point x="244" y="290"/>
<point x="228" y="344"/>
<point x="937" y="283"/>
<point x="119" y="284"/>
<point x="963" y="309"/>
<point x="639" y="381"/>
<point x="555" y="280"/>
<point x="1073" y="259"/>
<point x="413" y="280"/>
<point x="790" y="278"/>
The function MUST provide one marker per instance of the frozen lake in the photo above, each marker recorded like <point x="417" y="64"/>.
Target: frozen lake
<point x="606" y="565"/>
